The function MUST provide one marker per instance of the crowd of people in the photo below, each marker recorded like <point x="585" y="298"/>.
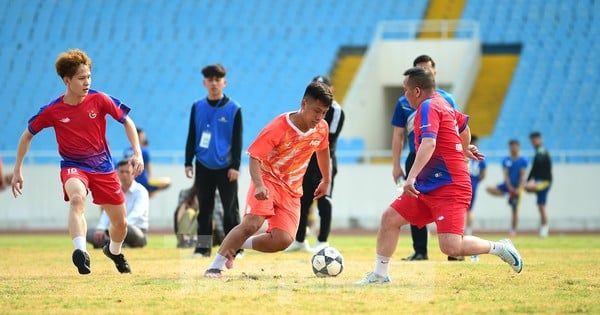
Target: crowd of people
<point x="292" y="166"/>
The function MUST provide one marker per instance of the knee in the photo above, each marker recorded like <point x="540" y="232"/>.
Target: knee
<point x="451" y="249"/>
<point x="119" y="224"/>
<point x="77" y="202"/>
<point x="248" y="228"/>
<point x="392" y="219"/>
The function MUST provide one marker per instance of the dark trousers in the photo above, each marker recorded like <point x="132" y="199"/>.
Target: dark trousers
<point x="207" y="181"/>
<point x="419" y="236"/>
<point x="311" y="180"/>
<point x="136" y="237"/>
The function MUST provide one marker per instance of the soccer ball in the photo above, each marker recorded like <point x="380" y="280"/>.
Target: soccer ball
<point x="328" y="262"/>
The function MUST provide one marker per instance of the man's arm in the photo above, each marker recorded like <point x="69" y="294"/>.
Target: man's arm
<point x="190" y="146"/>
<point x="22" y="148"/>
<point x="136" y="159"/>
<point x="261" y="192"/>
<point x="324" y="162"/>
<point x="424" y="153"/>
<point x="398" y="135"/>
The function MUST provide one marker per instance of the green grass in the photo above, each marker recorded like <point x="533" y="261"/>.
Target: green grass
<point x="561" y="275"/>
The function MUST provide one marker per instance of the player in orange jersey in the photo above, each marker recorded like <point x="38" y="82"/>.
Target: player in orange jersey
<point x="278" y="160"/>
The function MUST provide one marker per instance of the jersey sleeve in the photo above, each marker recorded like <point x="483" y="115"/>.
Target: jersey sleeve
<point x="429" y="121"/>
<point x="40" y="120"/>
<point x="264" y="143"/>
<point x="461" y="121"/>
<point x="115" y="108"/>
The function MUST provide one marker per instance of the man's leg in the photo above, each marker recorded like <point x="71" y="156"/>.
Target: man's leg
<point x="205" y="182"/>
<point x="387" y="240"/>
<point x="117" y="232"/>
<point x="457" y="245"/>
<point x="236" y="239"/>
<point x="306" y="201"/>
<point x="76" y="191"/>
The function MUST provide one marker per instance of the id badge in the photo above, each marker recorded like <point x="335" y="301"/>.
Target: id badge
<point x="205" y="140"/>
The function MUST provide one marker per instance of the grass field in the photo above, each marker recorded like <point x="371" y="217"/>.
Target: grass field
<point x="560" y="275"/>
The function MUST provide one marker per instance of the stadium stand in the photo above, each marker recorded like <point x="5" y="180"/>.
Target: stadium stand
<point x="149" y="54"/>
<point x="552" y="87"/>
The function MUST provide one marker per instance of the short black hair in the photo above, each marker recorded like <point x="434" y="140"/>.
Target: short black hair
<point x="323" y="79"/>
<point x="423" y="58"/>
<point x="535" y="134"/>
<point x="319" y="91"/>
<point x="420" y="77"/>
<point x="123" y="162"/>
<point x="216" y="70"/>
<point x="513" y="141"/>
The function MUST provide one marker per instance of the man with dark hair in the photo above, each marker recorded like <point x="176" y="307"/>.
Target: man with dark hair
<point x="215" y="141"/>
<point x="312" y="178"/>
<point x="437" y="188"/>
<point x="402" y="122"/>
<point x="514" y="167"/>
<point x="539" y="180"/>
<point x="279" y="157"/>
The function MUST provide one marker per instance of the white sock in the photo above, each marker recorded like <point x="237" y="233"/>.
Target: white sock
<point x="79" y="243"/>
<point x="382" y="265"/>
<point x="248" y="243"/>
<point x="219" y="262"/>
<point x="496" y="248"/>
<point x="114" y="247"/>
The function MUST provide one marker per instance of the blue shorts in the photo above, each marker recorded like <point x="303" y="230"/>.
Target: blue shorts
<point x="513" y="202"/>
<point x="542" y="187"/>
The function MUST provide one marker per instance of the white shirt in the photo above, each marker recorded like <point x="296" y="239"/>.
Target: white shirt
<point x="137" y="204"/>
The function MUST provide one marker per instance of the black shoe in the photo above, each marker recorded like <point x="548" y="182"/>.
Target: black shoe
<point x="416" y="256"/>
<point x="204" y="252"/>
<point x="81" y="260"/>
<point x="119" y="260"/>
<point x="457" y="258"/>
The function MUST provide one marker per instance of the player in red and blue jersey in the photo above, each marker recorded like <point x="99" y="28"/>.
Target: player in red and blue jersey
<point x="79" y="121"/>
<point x="438" y="187"/>
<point x="403" y="126"/>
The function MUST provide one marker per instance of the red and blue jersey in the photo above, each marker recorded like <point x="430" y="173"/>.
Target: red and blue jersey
<point x="81" y="129"/>
<point x="436" y="118"/>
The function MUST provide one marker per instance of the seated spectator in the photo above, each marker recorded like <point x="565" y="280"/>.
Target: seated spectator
<point x="186" y="219"/>
<point x="137" y="204"/>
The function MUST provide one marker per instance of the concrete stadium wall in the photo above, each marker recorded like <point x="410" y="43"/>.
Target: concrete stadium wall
<point x="457" y="65"/>
<point x="361" y="193"/>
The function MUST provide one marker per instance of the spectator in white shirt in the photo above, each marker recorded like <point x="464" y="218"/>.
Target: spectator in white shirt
<point x="137" y="203"/>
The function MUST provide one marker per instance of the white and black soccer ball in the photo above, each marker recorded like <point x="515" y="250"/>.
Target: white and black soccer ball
<point x="328" y="262"/>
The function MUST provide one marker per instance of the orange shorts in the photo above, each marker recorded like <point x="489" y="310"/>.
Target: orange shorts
<point x="447" y="206"/>
<point x="281" y="210"/>
<point x="105" y="187"/>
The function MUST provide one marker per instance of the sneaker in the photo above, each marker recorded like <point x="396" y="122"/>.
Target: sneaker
<point x="511" y="255"/>
<point x="319" y="245"/>
<point x="544" y="230"/>
<point x="456" y="258"/>
<point x="119" y="260"/>
<point x="373" y="278"/>
<point x="213" y="273"/>
<point x="416" y="256"/>
<point x="297" y="246"/>
<point x="81" y="260"/>
<point x="202" y="252"/>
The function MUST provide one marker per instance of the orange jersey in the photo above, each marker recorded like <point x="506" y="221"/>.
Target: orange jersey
<point x="284" y="151"/>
